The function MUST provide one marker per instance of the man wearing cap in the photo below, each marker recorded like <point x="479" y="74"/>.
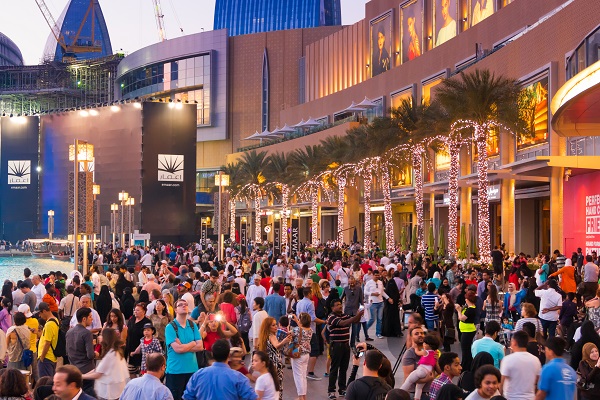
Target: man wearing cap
<point x="48" y="341"/>
<point x="278" y="270"/>
<point x="183" y="291"/>
<point x="240" y="280"/>
<point x="34" y="326"/>
<point x="80" y="347"/>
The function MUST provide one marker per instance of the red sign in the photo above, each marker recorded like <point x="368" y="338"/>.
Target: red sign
<point x="581" y="213"/>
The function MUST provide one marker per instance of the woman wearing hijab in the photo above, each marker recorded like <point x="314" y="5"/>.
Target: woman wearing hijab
<point x="144" y="297"/>
<point x="588" y="335"/>
<point x="391" y="311"/>
<point x="589" y="369"/>
<point x="467" y="379"/>
<point x="436" y="279"/>
<point x="127" y="303"/>
<point x="121" y="284"/>
<point x="103" y="303"/>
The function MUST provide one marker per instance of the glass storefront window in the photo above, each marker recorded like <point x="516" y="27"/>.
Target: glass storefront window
<point x="493" y="143"/>
<point x="205" y="181"/>
<point x="442" y="161"/>
<point x="534" y="106"/>
<point x="400" y="96"/>
<point x="427" y="88"/>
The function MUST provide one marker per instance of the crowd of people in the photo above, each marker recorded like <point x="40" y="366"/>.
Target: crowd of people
<point x="170" y="322"/>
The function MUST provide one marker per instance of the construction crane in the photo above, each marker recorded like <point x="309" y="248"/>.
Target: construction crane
<point x="77" y="46"/>
<point x="160" y="20"/>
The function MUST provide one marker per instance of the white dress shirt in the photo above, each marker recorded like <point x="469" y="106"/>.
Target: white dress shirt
<point x="375" y="287"/>
<point x="549" y="298"/>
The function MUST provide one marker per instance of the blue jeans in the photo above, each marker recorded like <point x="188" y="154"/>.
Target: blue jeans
<point x="431" y="324"/>
<point x="46" y="368"/>
<point x="376" y="311"/>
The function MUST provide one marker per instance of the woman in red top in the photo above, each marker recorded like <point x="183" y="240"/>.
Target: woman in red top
<point x="212" y="330"/>
<point x="228" y="307"/>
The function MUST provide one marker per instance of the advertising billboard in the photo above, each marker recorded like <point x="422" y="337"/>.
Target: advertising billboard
<point x="411" y="28"/>
<point x="381" y="43"/>
<point x="581" y="213"/>
<point x="444" y="21"/>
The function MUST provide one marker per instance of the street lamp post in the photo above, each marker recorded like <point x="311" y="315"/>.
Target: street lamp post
<point x="221" y="180"/>
<point x="123" y="196"/>
<point x="50" y="223"/>
<point x="114" y="207"/>
<point x="96" y="192"/>
<point x="79" y="152"/>
<point x="130" y="203"/>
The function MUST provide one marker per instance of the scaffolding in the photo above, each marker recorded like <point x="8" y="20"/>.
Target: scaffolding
<point x="56" y="86"/>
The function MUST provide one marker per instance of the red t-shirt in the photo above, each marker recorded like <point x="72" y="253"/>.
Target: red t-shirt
<point x="266" y="283"/>
<point x="210" y="339"/>
<point x="365" y="268"/>
<point x="229" y="311"/>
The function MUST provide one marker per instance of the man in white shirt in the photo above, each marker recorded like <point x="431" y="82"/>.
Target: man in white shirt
<point x="38" y="289"/>
<point x="520" y="370"/>
<point x="278" y="270"/>
<point x="374" y="295"/>
<point x="86" y="302"/>
<point x="146" y="260"/>
<point x="254" y="291"/>
<point x="143" y="276"/>
<point x="550" y="304"/>
<point x="257" y="319"/>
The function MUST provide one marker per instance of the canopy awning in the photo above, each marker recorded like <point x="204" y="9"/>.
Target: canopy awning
<point x="287" y="129"/>
<point x="299" y="124"/>
<point x="311" y="122"/>
<point x="354" y="108"/>
<point x="366" y="104"/>
<point x="254" y="136"/>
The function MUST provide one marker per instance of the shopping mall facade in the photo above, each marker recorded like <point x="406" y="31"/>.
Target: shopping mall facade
<point x="265" y="81"/>
<point x="542" y="188"/>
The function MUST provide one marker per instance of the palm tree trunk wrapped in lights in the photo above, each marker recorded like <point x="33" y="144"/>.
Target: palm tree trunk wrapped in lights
<point x="387" y="209"/>
<point x="454" y="149"/>
<point x="367" y="182"/>
<point x="480" y="101"/>
<point x="417" y="161"/>
<point x="341" y="206"/>
<point x="232" y="219"/>
<point x="314" y="220"/>
<point x="257" y="221"/>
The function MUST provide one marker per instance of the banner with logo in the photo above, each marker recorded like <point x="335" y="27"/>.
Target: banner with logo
<point x="169" y="165"/>
<point x="19" y="137"/>
<point x="581" y="214"/>
<point x="244" y="237"/>
<point x="277" y="236"/>
<point x="295" y="245"/>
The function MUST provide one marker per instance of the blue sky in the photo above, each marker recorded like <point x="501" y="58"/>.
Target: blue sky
<point x="131" y="23"/>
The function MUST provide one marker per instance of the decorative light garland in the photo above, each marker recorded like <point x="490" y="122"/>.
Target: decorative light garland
<point x="341" y="207"/>
<point x="368" y="182"/>
<point x="285" y="194"/>
<point x="417" y="164"/>
<point x="232" y="219"/>
<point x="454" y="149"/>
<point x="314" y="208"/>
<point x="387" y="210"/>
<point x="257" y="222"/>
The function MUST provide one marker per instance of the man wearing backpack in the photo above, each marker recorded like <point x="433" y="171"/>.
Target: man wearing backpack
<point x="48" y="342"/>
<point x="183" y="341"/>
<point x="369" y="387"/>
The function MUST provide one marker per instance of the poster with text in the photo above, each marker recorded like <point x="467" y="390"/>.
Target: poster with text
<point x="381" y="44"/>
<point x="480" y="10"/>
<point x="445" y="16"/>
<point x="411" y="28"/>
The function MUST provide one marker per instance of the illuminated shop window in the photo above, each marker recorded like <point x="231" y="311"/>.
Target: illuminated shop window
<point x="398" y="97"/>
<point x="427" y="88"/>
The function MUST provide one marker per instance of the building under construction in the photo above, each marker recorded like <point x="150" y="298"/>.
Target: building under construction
<point x="79" y="68"/>
<point x="53" y="86"/>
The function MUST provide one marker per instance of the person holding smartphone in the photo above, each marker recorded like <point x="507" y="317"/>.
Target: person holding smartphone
<point x="212" y="329"/>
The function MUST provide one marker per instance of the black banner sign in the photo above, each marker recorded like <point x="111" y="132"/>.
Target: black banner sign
<point x="244" y="238"/>
<point x="204" y="233"/>
<point x="295" y="235"/>
<point x="277" y="236"/>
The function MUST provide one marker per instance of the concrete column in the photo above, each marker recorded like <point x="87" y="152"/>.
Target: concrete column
<point x="507" y="193"/>
<point x="351" y="214"/>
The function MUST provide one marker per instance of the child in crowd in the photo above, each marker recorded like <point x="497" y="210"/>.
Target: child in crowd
<point x="426" y="365"/>
<point x="148" y="344"/>
<point x="422" y="288"/>
<point x="507" y="324"/>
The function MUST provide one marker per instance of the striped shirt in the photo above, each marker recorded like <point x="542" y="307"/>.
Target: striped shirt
<point x="338" y="333"/>
<point x="428" y="302"/>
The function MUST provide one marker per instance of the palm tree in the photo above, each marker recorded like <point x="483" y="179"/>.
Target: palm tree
<point x="307" y="166"/>
<point x="252" y="168"/>
<point x="278" y="174"/>
<point x="233" y="170"/>
<point x="372" y="147"/>
<point x="480" y="101"/>
<point x="417" y="133"/>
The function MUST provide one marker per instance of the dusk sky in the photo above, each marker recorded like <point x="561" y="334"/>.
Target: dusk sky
<point x="131" y="23"/>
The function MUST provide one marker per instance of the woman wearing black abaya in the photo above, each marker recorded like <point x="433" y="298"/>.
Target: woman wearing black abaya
<point x="127" y="303"/>
<point x="121" y="284"/>
<point x="588" y="335"/>
<point x="103" y="303"/>
<point x="391" y="311"/>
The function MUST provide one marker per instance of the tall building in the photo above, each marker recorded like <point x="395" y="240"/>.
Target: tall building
<point x="10" y="55"/>
<point x="242" y="17"/>
<point x="82" y="26"/>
